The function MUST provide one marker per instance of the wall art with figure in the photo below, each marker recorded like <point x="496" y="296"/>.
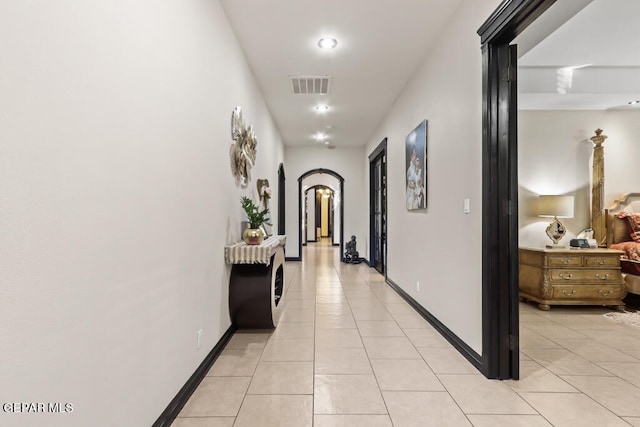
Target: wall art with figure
<point x="416" y="154"/>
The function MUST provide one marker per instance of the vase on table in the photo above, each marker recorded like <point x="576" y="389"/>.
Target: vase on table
<point x="253" y="236"/>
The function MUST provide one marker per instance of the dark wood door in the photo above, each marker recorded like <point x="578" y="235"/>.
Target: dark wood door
<point x="379" y="212"/>
<point x="281" y="200"/>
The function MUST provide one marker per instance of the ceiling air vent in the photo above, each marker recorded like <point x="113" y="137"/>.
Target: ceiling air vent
<point x="310" y="85"/>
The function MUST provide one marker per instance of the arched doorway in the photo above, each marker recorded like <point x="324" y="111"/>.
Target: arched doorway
<point x="334" y="181"/>
<point x="318" y="216"/>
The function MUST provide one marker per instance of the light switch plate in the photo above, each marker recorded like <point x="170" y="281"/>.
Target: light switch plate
<point x="467" y="209"/>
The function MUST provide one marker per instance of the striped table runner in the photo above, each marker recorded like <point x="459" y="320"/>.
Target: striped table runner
<point x="241" y="253"/>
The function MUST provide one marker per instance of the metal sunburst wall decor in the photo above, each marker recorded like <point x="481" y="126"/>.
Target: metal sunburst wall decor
<point x="243" y="151"/>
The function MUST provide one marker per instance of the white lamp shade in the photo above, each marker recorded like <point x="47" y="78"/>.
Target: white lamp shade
<point x="558" y="206"/>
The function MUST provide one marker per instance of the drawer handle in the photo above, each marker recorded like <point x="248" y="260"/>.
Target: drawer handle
<point x="565" y="261"/>
<point x="601" y="261"/>
<point x="573" y="292"/>
<point x="566" y="276"/>
<point x="605" y="293"/>
<point x="605" y="277"/>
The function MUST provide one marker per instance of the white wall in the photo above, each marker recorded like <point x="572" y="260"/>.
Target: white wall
<point x="345" y="161"/>
<point x="555" y="156"/>
<point x="441" y="247"/>
<point x="117" y="199"/>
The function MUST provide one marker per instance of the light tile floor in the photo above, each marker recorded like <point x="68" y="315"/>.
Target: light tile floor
<point x="349" y="352"/>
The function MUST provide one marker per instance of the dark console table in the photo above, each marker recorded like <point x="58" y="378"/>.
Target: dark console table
<point x="256" y="285"/>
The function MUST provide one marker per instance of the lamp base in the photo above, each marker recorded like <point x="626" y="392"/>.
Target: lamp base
<point x="556" y="231"/>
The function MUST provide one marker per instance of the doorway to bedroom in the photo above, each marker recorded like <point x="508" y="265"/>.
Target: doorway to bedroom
<point x="577" y="72"/>
<point x="528" y="153"/>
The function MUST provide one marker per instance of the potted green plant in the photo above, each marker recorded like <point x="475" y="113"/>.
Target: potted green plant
<point x="254" y="234"/>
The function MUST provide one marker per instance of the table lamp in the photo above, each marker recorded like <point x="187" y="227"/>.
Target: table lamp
<point x="556" y="207"/>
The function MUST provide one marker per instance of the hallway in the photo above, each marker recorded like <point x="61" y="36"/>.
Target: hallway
<point x="349" y="352"/>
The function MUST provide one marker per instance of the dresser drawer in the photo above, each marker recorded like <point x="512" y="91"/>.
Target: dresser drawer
<point x="597" y="292"/>
<point x="562" y="276"/>
<point x="601" y="261"/>
<point x="565" y="261"/>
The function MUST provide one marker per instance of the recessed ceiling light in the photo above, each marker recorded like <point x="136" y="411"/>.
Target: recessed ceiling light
<point x="634" y="102"/>
<point x="322" y="108"/>
<point x="327" y="142"/>
<point x="327" y="43"/>
<point x="319" y="136"/>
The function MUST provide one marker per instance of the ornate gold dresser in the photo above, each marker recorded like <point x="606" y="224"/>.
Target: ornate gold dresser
<point x="571" y="277"/>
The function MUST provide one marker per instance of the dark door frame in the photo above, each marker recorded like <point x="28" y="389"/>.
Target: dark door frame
<point x="281" y="200"/>
<point x="380" y="150"/>
<point x="342" y="198"/>
<point x="500" y="346"/>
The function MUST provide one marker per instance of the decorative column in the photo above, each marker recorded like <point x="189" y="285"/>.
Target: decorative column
<point x="598" y="218"/>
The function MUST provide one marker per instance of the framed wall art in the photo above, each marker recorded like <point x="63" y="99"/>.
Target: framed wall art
<point x="243" y="150"/>
<point x="416" y="155"/>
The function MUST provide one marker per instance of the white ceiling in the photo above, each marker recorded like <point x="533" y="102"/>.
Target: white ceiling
<point x="382" y="42"/>
<point x="380" y="45"/>
<point x="602" y="36"/>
